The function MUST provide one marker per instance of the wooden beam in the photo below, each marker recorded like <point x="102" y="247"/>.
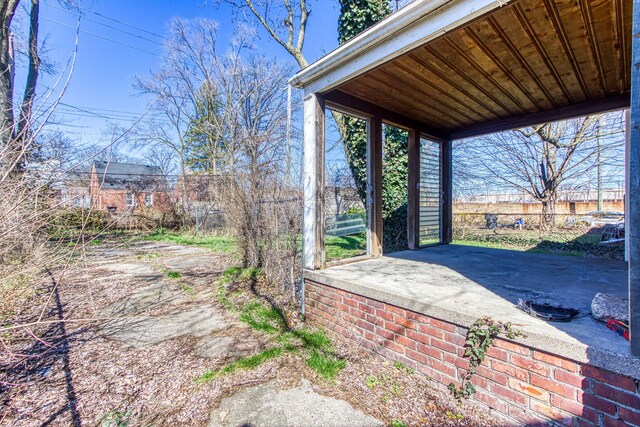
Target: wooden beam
<point x="447" y="192"/>
<point x="633" y="221"/>
<point x="374" y="186"/>
<point x="313" y="228"/>
<point x="348" y="104"/>
<point x="611" y="103"/>
<point x="413" y="200"/>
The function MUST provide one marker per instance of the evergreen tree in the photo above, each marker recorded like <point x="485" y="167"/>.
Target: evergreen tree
<point x="205" y="148"/>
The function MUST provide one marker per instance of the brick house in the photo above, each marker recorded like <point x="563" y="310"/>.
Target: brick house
<point x="125" y="187"/>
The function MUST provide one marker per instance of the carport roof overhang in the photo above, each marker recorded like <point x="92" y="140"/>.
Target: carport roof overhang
<point x="461" y="68"/>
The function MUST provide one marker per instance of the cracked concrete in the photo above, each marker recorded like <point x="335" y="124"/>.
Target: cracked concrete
<point x="188" y="263"/>
<point x="267" y="406"/>
<point x="139" y="325"/>
<point x="214" y="347"/>
<point x="147" y="298"/>
<point x="143" y="331"/>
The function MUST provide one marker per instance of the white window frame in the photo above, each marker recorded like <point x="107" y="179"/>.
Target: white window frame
<point x="148" y="199"/>
<point x="130" y="200"/>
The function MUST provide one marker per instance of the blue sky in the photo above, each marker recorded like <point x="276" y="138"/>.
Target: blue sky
<point x="122" y="39"/>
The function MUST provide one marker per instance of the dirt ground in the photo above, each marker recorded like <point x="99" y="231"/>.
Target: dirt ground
<point x="143" y="324"/>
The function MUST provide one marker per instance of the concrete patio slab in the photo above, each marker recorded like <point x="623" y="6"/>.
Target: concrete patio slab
<point x="461" y="283"/>
<point x="165" y="248"/>
<point x="188" y="263"/>
<point x="129" y="268"/>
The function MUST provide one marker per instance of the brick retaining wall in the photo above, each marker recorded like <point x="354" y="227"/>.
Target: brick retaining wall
<point x="523" y="384"/>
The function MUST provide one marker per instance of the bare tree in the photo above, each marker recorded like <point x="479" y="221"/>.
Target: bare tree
<point x="191" y="73"/>
<point x="32" y="74"/>
<point x="190" y="54"/>
<point x="164" y="158"/>
<point x="539" y="160"/>
<point x="16" y="129"/>
<point x="258" y="173"/>
<point x="235" y="110"/>
<point x="249" y="125"/>
<point x="7" y="71"/>
<point x="285" y="23"/>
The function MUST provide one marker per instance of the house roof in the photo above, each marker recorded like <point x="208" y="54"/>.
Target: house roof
<point x="128" y="176"/>
<point x="465" y="67"/>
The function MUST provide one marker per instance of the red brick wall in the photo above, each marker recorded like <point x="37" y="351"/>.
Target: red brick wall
<point x="117" y="198"/>
<point x="522" y="384"/>
<point x="101" y="198"/>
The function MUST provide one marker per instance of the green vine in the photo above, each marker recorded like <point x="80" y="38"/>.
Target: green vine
<point x="355" y="17"/>
<point x="479" y="340"/>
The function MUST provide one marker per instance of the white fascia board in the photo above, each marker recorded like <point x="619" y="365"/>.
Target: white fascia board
<point x="412" y="26"/>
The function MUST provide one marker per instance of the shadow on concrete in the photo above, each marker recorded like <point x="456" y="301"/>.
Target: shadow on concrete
<point x="502" y="277"/>
<point x="40" y="358"/>
<point x="493" y="280"/>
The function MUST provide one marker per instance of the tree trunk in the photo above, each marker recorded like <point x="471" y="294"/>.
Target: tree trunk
<point x="184" y="189"/>
<point x="548" y="214"/>
<point x="256" y="222"/>
<point x="24" y="124"/>
<point x="7" y="72"/>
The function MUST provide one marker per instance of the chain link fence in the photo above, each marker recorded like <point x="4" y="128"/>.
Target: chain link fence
<point x="597" y="234"/>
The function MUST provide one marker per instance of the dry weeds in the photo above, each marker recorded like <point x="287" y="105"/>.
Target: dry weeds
<point x="72" y="375"/>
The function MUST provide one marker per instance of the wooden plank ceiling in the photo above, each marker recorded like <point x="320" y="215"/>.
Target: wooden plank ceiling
<point x="528" y="57"/>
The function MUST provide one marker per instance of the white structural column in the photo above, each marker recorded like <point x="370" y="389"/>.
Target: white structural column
<point x="632" y="222"/>
<point x="313" y="227"/>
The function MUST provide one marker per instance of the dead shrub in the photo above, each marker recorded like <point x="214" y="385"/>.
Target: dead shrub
<point x="66" y="221"/>
<point x="26" y="209"/>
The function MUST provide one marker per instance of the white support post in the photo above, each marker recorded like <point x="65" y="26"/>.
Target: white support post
<point x="632" y="221"/>
<point x="313" y="227"/>
<point x="627" y="152"/>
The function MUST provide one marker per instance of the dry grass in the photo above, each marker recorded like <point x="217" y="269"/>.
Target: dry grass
<point x="41" y="377"/>
<point x="74" y="375"/>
